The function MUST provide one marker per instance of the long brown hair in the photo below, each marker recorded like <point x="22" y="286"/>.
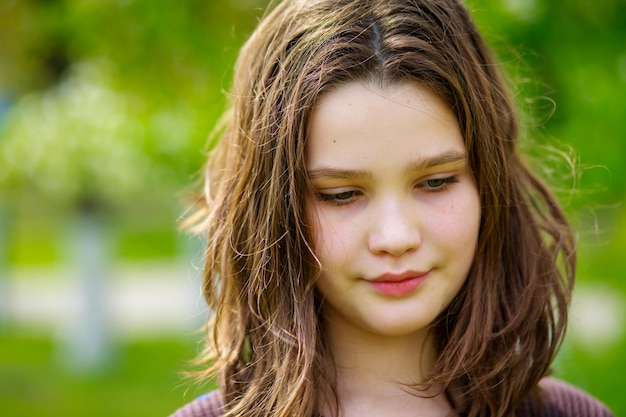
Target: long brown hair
<point x="500" y="334"/>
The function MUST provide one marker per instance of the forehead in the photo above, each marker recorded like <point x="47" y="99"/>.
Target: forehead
<point x="367" y="123"/>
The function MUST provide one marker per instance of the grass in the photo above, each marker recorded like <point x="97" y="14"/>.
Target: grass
<point x="142" y="381"/>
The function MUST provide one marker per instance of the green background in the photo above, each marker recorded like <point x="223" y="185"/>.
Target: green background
<point x="105" y="107"/>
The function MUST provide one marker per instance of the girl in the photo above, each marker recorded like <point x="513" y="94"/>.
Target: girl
<point x="376" y="247"/>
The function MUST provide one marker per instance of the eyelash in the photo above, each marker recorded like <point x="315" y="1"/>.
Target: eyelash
<point x="443" y="186"/>
<point x="333" y="198"/>
<point x="349" y="195"/>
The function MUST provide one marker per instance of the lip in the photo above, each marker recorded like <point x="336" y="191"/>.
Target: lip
<point x="397" y="285"/>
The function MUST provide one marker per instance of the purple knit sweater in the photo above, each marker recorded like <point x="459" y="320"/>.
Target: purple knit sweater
<point x="561" y="400"/>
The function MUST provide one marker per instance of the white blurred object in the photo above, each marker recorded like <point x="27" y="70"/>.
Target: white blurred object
<point x="142" y="299"/>
<point x="597" y="319"/>
<point x="85" y="343"/>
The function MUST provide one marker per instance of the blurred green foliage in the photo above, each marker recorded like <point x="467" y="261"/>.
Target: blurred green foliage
<point x="570" y="59"/>
<point x="105" y="106"/>
<point x="111" y="102"/>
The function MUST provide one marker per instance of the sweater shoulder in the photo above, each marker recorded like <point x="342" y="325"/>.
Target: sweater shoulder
<point x="559" y="399"/>
<point x="208" y="405"/>
<point x="555" y="399"/>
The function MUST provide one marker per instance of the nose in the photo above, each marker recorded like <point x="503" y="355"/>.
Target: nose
<point x="394" y="229"/>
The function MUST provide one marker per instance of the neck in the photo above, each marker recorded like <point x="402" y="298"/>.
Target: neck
<point x="374" y="371"/>
<point x="361" y="356"/>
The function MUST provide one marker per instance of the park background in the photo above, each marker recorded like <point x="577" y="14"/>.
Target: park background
<point x="105" y="108"/>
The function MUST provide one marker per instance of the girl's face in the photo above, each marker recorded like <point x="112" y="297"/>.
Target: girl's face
<point x="394" y="211"/>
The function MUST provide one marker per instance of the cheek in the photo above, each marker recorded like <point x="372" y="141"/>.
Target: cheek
<point x="315" y="222"/>
<point x="318" y="226"/>
<point x="458" y="224"/>
<point x="332" y="238"/>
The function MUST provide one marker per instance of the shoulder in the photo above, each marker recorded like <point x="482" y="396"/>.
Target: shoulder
<point x="558" y="399"/>
<point x="208" y="405"/>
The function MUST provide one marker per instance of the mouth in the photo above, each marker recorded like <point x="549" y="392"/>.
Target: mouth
<point x="397" y="285"/>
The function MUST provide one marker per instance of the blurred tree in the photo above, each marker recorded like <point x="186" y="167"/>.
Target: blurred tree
<point x="116" y="98"/>
<point x="113" y="102"/>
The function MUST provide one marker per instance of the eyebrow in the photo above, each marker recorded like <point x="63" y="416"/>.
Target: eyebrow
<point x="447" y="157"/>
<point x="333" y="173"/>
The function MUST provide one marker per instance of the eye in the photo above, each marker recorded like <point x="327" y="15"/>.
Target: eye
<point x="340" y="198"/>
<point x="438" y="184"/>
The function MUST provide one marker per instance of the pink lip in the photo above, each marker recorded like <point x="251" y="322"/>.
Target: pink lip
<point x="398" y="285"/>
